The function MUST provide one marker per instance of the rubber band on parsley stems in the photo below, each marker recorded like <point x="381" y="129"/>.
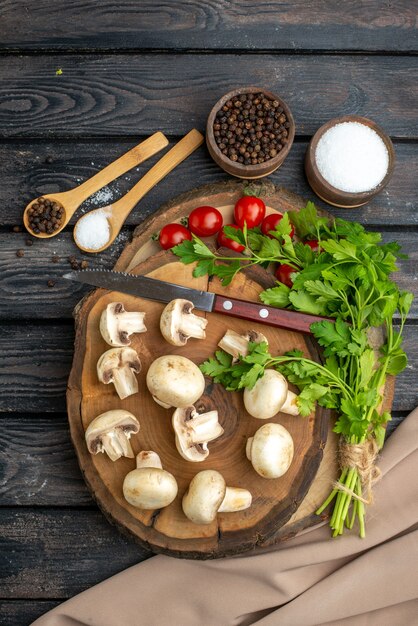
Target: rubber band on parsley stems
<point x="348" y="279"/>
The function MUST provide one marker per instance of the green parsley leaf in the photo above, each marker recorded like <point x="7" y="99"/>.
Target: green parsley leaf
<point x="276" y="296"/>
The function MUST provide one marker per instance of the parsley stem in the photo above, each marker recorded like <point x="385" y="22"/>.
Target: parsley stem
<point x="338" y="381"/>
<point x="331" y="495"/>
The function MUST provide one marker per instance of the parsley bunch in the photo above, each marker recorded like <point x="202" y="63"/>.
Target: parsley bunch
<point x="347" y="279"/>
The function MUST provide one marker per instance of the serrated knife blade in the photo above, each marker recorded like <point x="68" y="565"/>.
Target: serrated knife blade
<point x="143" y="287"/>
<point x="153" y="289"/>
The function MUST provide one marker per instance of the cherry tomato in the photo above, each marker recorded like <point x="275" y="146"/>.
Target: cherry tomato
<point x="223" y="240"/>
<point x="285" y="274"/>
<point x="173" y="234"/>
<point x="312" y="243"/>
<point x="270" y="222"/>
<point x="205" y="221"/>
<point x="249" y="210"/>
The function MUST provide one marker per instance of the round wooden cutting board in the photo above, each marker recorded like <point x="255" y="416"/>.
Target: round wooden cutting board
<point x="275" y="502"/>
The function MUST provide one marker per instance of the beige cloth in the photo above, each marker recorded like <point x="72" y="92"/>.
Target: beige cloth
<point x="307" y="581"/>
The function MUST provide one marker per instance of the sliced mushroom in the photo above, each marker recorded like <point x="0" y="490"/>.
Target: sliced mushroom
<point x="237" y="345"/>
<point x="178" y="323"/>
<point x="110" y="432"/>
<point x="194" y="431"/>
<point x="208" y="494"/>
<point x="270" y="450"/>
<point x="117" y="325"/>
<point x="149" y="486"/>
<point x="173" y="380"/>
<point x="119" y="366"/>
<point x="270" y="395"/>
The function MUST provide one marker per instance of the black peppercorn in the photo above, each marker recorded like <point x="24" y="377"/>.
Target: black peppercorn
<point x="250" y="129"/>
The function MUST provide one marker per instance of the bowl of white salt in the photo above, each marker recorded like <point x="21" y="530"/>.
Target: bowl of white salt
<point x="349" y="160"/>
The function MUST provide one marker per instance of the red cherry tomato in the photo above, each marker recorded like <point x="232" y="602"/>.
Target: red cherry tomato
<point x="205" y="221"/>
<point x="223" y="240"/>
<point x="250" y="210"/>
<point x="285" y="274"/>
<point x="312" y="243"/>
<point x="173" y="234"/>
<point x="270" y="222"/>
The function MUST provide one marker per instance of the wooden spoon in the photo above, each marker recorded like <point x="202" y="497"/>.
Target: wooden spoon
<point x="71" y="200"/>
<point x="117" y="213"/>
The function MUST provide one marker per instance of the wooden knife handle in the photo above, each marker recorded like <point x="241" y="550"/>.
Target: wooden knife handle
<point x="254" y="312"/>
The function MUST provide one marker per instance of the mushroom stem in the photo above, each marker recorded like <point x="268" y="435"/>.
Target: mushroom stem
<point x="148" y="458"/>
<point x="290" y="405"/>
<point x="193" y="326"/>
<point x="116" y="444"/>
<point x="236" y="499"/>
<point x="133" y="322"/>
<point x="237" y="345"/>
<point x="205" y="427"/>
<point x="125" y="381"/>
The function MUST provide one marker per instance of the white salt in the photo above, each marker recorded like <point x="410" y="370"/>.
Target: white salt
<point x="352" y="157"/>
<point x="93" y="230"/>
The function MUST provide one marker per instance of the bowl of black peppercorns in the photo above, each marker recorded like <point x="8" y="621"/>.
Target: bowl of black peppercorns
<point x="249" y="132"/>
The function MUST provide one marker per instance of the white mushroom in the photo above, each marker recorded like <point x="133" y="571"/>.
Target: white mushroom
<point x="149" y="486"/>
<point x="117" y="325"/>
<point x="237" y="345"/>
<point x="178" y="323"/>
<point x="175" y="381"/>
<point x="208" y="495"/>
<point x="110" y="432"/>
<point x="270" y="450"/>
<point x="270" y="395"/>
<point x="119" y="366"/>
<point x="194" y="431"/>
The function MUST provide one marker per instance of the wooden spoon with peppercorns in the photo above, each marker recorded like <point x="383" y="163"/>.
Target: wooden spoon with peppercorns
<point x="46" y="216"/>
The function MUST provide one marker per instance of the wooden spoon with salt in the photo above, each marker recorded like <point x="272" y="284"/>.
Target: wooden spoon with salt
<point x="69" y="201"/>
<point x="116" y="214"/>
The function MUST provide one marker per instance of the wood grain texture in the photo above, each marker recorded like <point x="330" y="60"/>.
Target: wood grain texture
<point x="198" y="24"/>
<point x="24" y="612"/>
<point x="47" y="555"/>
<point x="32" y="168"/>
<point x="39" y="467"/>
<point x="133" y="95"/>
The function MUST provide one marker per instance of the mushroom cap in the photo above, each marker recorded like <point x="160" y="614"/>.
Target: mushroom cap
<point x="106" y="422"/>
<point x="267" y="396"/>
<point x="172" y="321"/>
<point x="204" y="497"/>
<point x="271" y="450"/>
<point x="191" y="452"/>
<point x="175" y="381"/>
<point x="149" y="488"/>
<point x="115" y="327"/>
<point x="117" y="358"/>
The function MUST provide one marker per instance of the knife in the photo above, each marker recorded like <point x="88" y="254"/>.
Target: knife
<point x="153" y="289"/>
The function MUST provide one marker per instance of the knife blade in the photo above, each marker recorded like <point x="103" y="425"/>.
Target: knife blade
<point x="153" y="289"/>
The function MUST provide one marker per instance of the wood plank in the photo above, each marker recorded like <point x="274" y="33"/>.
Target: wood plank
<point x="35" y="368"/>
<point x="35" y="544"/>
<point x="39" y="466"/>
<point x="24" y="290"/>
<point x="32" y="168"/>
<point x="23" y="281"/>
<point x="137" y="94"/>
<point x="238" y="24"/>
<point x="24" y="612"/>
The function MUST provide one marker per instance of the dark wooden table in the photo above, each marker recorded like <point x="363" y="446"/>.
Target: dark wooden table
<point x="79" y="85"/>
